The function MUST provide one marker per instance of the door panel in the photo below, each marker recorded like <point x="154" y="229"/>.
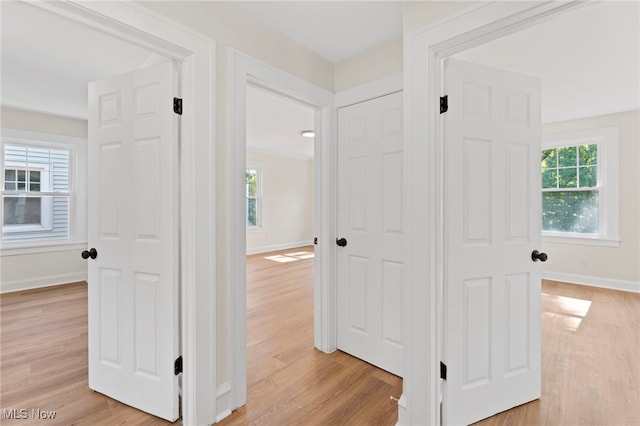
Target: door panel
<point x="518" y="214"/>
<point x="492" y="224"/>
<point x="371" y="266"/>
<point x="133" y="282"/>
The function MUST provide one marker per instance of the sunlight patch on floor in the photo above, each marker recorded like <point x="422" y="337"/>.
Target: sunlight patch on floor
<point x="280" y="258"/>
<point x="291" y="257"/>
<point x="301" y="255"/>
<point x="568" y="311"/>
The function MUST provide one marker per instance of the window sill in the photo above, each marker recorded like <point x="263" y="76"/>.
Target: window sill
<point x="15" y="249"/>
<point x="10" y="229"/>
<point x="251" y="229"/>
<point x="579" y="240"/>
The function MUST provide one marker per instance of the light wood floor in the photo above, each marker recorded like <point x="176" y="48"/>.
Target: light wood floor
<point x="43" y="357"/>
<point x="290" y="382"/>
<point x="591" y="359"/>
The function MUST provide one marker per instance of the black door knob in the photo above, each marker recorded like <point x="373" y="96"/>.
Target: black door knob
<point x="341" y="242"/>
<point x="92" y="253"/>
<point x="536" y="255"/>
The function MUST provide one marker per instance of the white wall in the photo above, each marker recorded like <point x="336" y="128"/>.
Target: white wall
<point x="18" y="272"/>
<point x="387" y="58"/>
<point x="617" y="267"/>
<point x="42" y="123"/>
<point x="418" y="14"/>
<point x="287" y="209"/>
<point x="371" y="65"/>
<point x="231" y="26"/>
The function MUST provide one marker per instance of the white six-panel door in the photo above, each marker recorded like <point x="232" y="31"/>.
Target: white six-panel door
<point x="133" y="225"/>
<point x="492" y="224"/>
<point x="370" y="267"/>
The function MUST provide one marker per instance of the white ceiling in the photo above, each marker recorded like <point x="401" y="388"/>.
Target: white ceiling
<point x="335" y="30"/>
<point x="47" y="60"/>
<point x="588" y="60"/>
<point x="274" y="124"/>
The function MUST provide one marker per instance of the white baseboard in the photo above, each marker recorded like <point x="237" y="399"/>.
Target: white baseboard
<point x="265" y="249"/>
<point x="614" y="284"/>
<point x="223" y="401"/>
<point x="39" y="282"/>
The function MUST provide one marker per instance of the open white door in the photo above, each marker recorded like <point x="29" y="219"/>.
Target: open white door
<point x="133" y="227"/>
<point x="492" y="226"/>
<point x="370" y="261"/>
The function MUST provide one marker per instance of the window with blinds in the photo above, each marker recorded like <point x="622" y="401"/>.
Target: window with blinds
<point x="36" y="196"/>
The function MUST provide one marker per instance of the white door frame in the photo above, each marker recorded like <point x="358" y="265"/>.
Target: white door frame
<point x="245" y="70"/>
<point x="424" y="51"/>
<point x="137" y="25"/>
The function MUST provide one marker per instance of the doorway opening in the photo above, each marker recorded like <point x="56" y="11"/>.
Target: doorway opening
<point x="280" y="228"/>
<point x="428" y="48"/>
<point x="279" y="191"/>
<point x="564" y="98"/>
<point x="248" y="74"/>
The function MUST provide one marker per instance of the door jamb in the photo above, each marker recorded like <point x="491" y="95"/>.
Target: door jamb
<point x="424" y="50"/>
<point x="244" y="70"/>
<point x="196" y="54"/>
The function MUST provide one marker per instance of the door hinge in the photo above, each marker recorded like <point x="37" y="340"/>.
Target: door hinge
<point x="177" y="106"/>
<point x="444" y="104"/>
<point x="443" y="370"/>
<point x="177" y="366"/>
<point x="315" y="241"/>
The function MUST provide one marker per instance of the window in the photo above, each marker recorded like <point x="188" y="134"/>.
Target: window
<point x="570" y="189"/>
<point x="22" y="210"/>
<point x="253" y="208"/>
<point x="36" y="193"/>
<point x="39" y="198"/>
<point x="579" y="186"/>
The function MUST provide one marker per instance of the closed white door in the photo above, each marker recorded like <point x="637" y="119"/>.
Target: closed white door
<point x="371" y="265"/>
<point x="491" y="227"/>
<point x="133" y="227"/>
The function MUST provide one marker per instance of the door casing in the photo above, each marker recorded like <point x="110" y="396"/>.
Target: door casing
<point x="245" y="70"/>
<point x="196" y="56"/>
<point x="424" y="51"/>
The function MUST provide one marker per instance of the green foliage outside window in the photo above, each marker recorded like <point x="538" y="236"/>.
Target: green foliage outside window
<point x="252" y="193"/>
<point x="570" y="197"/>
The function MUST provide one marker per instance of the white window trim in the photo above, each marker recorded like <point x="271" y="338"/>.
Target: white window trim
<point x="77" y="188"/>
<point x="607" y="139"/>
<point x="260" y="168"/>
